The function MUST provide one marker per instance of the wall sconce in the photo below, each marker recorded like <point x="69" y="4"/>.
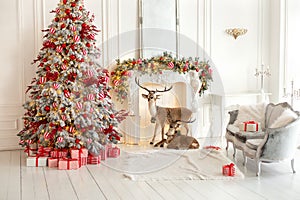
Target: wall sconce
<point x="235" y="32"/>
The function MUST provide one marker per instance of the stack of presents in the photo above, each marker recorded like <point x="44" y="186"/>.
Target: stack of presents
<point x="67" y="159"/>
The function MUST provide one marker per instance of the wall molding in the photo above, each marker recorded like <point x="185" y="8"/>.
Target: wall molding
<point x="207" y="27"/>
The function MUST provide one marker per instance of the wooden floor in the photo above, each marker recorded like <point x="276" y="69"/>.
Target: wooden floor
<point x="101" y="182"/>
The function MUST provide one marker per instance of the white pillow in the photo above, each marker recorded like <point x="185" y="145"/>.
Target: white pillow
<point x="254" y="112"/>
<point x="286" y="117"/>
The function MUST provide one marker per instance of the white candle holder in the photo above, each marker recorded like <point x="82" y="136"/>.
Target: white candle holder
<point x="262" y="73"/>
<point x="294" y="94"/>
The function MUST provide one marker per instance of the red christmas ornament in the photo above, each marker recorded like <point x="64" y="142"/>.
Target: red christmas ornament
<point x="47" y="68"/>
<point x="77" y="141"/>
<point x="47" y="108"/>
<point x="79" y="105"/>
<point x="68" y="11"/>
<point x="185" y="68"/>
<point x="171" y="65"/>
<point x="76" y="38"/>
<point x="88" y="44"/>
<point x="112" y="115"/>
<point x="55" y="86"/>
<point x="42" y="80"/>
<point x="72" y="129"/>
<point x="63" y="26"/>
<point x="52" y="30"/>
<point x="60" y="139"/>
<point x="64" y="67"/>
<point x="63" y="117"/>
<point x="73" y="4"/>
<point x="101" y="96"/>
<point x="90" y="73"/>
<point x="72" y="76"/>
<point x="72" y="57"/>
<point x="56" y="19"/>
<point x="47" y="135"/>
<point x="73" y="28"/>
<point x="59" y="49"/>
<point x="67" y="93"/>
<point x="91" y="97"/>
<point x="84" y="25"/>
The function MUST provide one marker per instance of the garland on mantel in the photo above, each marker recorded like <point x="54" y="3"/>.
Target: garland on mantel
<point x="156" y="65"/>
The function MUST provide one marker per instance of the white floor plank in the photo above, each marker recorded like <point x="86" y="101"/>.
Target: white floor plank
<point x="59" y="185"/>
<point x="161" y="189"/>
<point x="184" y="187"/>
<point x="209" y="190"/>
<point x="10" y="175"/>
<point x="84" y="184"/>
<point x="110" y="190"/>
<point x="33" y="182"/>
<point x="176" y="190"/>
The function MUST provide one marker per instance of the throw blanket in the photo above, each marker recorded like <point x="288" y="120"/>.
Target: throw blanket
<point x="169" y="164"/>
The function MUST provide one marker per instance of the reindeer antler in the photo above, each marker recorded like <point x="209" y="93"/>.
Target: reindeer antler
<point x="165" y="90"/>
<point x="138" y="83"/>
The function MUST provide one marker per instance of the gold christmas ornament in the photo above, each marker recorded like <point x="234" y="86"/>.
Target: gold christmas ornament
<point x="31" y="103"/>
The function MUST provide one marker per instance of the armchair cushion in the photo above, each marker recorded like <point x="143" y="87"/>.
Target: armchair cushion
<point x="286" y="117"/>
<point x="253" y="143"/>
<point x="254" y="112"/>
<point x="243" y="136"/>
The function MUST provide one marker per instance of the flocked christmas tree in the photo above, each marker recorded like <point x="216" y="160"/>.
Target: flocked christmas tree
<point x="69" y="102"/>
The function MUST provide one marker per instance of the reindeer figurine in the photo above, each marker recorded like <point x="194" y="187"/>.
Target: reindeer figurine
<point x="177" y="141"/>
<point x="162" y="116"/>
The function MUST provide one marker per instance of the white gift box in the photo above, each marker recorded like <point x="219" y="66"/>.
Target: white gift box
<point x="33" y="161"/>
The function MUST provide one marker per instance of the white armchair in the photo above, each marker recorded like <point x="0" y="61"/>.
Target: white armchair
<point x="279" y="142"/>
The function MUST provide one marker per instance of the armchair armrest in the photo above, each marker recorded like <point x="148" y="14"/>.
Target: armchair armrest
<point x="233" y="115"/>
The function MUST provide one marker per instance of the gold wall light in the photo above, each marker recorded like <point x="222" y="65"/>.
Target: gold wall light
<point x="235" y="32"/>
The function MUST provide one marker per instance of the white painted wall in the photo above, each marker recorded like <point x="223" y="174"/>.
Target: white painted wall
<point x="203" y="21"/>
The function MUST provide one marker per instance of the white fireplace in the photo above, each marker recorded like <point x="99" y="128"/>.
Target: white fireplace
<point x="137" y="128"/>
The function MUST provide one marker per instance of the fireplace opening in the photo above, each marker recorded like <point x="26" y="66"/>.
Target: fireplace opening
<point x="172" y="98"/>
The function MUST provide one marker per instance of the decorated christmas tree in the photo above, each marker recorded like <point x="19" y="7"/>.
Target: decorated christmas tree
<point x="69" y="104"/>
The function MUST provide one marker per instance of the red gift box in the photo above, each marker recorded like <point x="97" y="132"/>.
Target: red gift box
<point x="78" y="153"/>
<point x="59" y="153"/>
<point x="82" y="161"/>
<point x="52" y="162"/>
<point x="31" y="149"/>
<point x="93" y="159"/>
<point x="45" y="151"/>
<point x="250" y="126"/>
<point x="68" y="163"/>
<point x="229" y="170"/>
<point x="113" y="152"/>
<point x="103" y="154"/>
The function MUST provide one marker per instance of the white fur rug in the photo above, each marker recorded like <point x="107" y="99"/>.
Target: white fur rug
<point x="168" y="164"/>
